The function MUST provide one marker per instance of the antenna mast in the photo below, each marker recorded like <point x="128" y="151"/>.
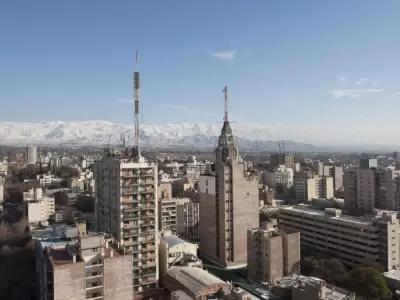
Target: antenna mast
<point x="225" y="91"/>
<point x="136" y="99"/>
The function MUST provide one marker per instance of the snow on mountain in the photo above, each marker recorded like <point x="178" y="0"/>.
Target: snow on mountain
<point x="102" y="132"/>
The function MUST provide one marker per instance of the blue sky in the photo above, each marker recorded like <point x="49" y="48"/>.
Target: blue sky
<point x="300" y="62"/>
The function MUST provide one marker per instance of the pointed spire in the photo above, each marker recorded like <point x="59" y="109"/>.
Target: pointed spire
<point x="225" y="91"/>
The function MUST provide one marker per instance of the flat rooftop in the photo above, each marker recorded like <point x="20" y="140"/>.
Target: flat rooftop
<point x="393" y="274"/>
<point x="367" y="220"/>
<point x="331" y="292"/>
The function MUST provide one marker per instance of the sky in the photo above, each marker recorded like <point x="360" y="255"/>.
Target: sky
<point x="308" y="62"/>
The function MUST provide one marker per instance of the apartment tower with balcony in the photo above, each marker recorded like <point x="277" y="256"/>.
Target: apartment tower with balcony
<point x="126" y="207"/>
<point x="229" y="203"/>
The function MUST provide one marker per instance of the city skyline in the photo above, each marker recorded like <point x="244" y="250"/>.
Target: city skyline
<point x="297" y="65"/>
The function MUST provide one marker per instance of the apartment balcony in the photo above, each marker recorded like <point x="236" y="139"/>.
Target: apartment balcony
<point x="129" y="191"/>
<point x="147" y="174"/>
<point x="129" y="175"/>
<point x="129" y="200"/>
<point x="148" y="206"/>
<point x="136" y="282"/>
<point x="135" y="257"/>
<point x="94" y="296"/>
<point x="147" y="220"/>
<point x="136" y="274"/>
<point x="130" y="208"/>
<point x="130" y="233"/>
<point x="93" y="274"/>
<point x="130" y="216"/>
<point x="147" y="232"/>
<point x="149" y="248"/>
<point x="148" y="263"/>
<point x="130" y="225"/>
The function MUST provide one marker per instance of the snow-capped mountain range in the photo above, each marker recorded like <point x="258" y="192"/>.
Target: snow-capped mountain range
<point x="188" y="135"/>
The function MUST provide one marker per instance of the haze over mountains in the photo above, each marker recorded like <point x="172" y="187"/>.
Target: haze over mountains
<point x="186" y="135"/>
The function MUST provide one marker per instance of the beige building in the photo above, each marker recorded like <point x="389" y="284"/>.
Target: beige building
<point x="272" y="254"/>
<point x="167" y="213"/>
<point x="285" y="159"/>
<point x="164" y="190"/>
<point x="187" y="219"/>
<point x="229" y="204"/>
<point x="356" y="241"/>
<point x="91" y="269"/>
<point x="196" y="283"/>
<point x="366" y="189"/>
<point x="317" y="187"/>
<point x="126" y="207"/>
<point x="174" y="251"/>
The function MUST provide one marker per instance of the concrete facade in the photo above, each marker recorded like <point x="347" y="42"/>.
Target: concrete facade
<point x="127" y="208"/>
<point x="229" y="204"/>
<point x="272" y="254"/>
<point x="356" y="241"/>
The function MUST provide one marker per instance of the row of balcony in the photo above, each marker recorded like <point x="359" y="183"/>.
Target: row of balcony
<point x="137" y="174"/>
<point x="132" y="191"/>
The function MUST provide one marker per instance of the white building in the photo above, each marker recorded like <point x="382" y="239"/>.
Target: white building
<point x="280" y="177"/>
<point x="31" y="155"/>
<point x="40" y="210"/>
<point x="174" y="251"/>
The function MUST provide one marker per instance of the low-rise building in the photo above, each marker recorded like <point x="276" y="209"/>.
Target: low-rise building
<point x="356" y="241"/>
<point x="196" y="283"/>
<point x="90" y="269"/>
<point x="174" y="251"/>
<point x="272" y="254"/>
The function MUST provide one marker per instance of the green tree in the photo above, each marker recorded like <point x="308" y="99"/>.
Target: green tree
<point x="67" y="172"/>
<point x="369" y="283"/>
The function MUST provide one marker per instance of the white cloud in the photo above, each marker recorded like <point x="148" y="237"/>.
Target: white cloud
<point x="225" y="55"/>
<point x="342" y="78"/>
<point x="362" y="80"/>
<point x="373" y="82"/>
<point x="353" y="93"/>
<point x="397" y="93"/>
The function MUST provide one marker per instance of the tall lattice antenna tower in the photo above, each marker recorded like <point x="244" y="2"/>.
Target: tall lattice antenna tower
<point x="136" y="99"/>
<point x="225" y="91"/>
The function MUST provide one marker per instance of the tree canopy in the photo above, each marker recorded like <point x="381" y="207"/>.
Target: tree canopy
<point x="369" y="283"/>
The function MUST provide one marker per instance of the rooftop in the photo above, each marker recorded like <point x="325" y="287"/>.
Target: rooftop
<point x="366" y="220"/>
<point x="331" y="292"/>
<point x="393" y="274"/>
<point x="173" y="240"/>
<point x="194" y="279"/>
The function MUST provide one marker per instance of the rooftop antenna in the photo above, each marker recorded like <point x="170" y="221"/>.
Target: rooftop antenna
<point x="136" y="98"/>
<point x="225" y="91"/>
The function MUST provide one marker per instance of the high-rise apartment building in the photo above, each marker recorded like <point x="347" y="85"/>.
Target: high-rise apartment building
<point x="366" y="189"/>
<point x="356" y="241"/>
<point x="332" y="171"/>
<point x="31" y="155"/>
<point x="187" y="219"/>
<point x="229" y="203"/>
<point x="126" y="207"/>
<point x="278" y="159"/>
<point x="167" y="213"/>
<point x="272" y="254"/>
<point x="280" y="178"/>
<point x="316" y="187"/>
<point x="91" y="269"/>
